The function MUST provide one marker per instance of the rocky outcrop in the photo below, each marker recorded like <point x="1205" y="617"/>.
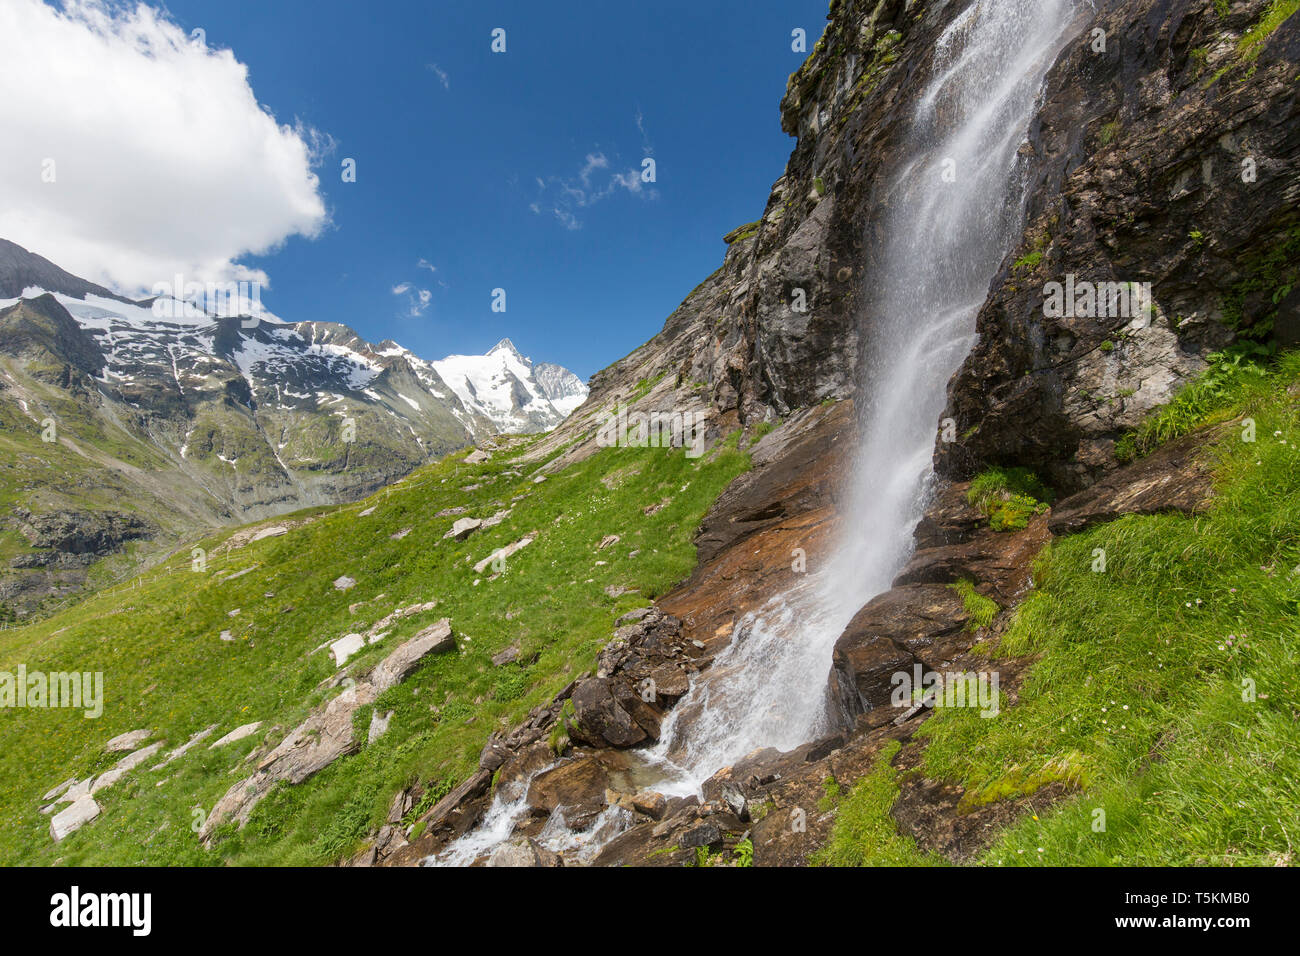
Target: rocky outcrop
<point x="1171" y="158"/>
<point x="328" y="732"/>
<point x="642" y="672"/>
<point x="81" y="532"/>
<point x="1175" y="478"/>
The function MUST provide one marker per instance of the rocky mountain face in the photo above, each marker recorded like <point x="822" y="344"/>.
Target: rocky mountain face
<point x="179" y="420"/>
<point x="1169" y="159"/>
<point x="1165" y="157"/>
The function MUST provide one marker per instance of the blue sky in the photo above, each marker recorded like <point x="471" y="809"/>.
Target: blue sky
<point x="450" y="141"/>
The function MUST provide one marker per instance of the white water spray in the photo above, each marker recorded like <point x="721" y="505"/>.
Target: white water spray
<point x="950" y="215"/>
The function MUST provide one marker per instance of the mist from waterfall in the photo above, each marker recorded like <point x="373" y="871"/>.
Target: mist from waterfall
<point x="950" y="215"/>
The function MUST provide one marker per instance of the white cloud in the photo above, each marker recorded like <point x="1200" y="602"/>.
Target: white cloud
<point x="164" y="160"/>
<point x="564" y="196"/>
<point x="417" y="300"/>
<point x="443" y="78"/>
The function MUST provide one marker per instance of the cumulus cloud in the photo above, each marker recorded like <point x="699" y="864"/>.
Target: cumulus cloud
<point x="163" y="161"/>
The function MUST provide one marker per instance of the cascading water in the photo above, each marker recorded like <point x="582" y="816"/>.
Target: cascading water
<point x="950" y="214"/>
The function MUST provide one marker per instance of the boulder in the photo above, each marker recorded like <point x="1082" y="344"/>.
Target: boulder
<point x="705" y="835"/>
<point x="887" y="636"/>
<point x="503" y="553"/>
<point x="437" y="638"/>
<point x="73" y="818"/>
<point x="185" y="747"/>
<point x="463" y="528"/>
<point x="577" y="787"/>
<point x="600" y="719"/>
<point x="507" y="656"/>
<point x="651" y="803"/>
<point x="345" y="647"/>
<point x="239" y="733"/>
<point x="123" y="767"/>
<point x="56" y="791"/>
<point x="127" y="741"/>
<point x="522" y="853"/>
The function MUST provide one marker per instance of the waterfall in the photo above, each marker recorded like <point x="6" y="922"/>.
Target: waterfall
<point x="948" y="216"/>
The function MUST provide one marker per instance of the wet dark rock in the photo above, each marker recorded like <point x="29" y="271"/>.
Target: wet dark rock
<point x="706" y="835"/>
<point x="1175" y="478"/>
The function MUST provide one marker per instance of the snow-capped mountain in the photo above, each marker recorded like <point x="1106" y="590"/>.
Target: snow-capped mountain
<point x="510" y="390"/>
<point x="301" y="367"/>
<point x="194" y="419"/>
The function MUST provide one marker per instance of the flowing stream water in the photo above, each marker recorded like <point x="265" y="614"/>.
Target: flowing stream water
<point x="950" y="213"/>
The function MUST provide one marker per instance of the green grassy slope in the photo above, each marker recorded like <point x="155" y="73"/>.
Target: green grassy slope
<point x="166" y="668"/>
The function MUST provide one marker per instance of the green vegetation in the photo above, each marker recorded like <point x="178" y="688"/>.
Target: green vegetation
<point x="1252" y="41"/>
<point x="1237" y="378"/>
<point x="1008" y="497"/>
<point x="1029" y="260"/>
<point x="982" y="610"/>
<point x="559" y="740"/>
<point x="157" y="642"/>
<point x="644" y="385"/>
<point x="741" y="233"/>
<point x="745" y="853"/>
<point x="1200" y="56"/>
<point x="1164" y="691"/>
<point x="864" y="833"/>
<point x="1109" y="131"/>
<point x="1248" y="46"/>
<point x="759" y="431"/>
<point x="1269" y="277"/>
<point x="831" y="796"/>
<point x="884" y="52"/>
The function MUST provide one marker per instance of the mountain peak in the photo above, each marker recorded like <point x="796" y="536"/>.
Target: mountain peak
<point x="505" y="345"/>
<point x="21" y="269"/>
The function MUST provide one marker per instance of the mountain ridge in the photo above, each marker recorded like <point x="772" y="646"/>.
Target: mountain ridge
<point x="249" y="417"/>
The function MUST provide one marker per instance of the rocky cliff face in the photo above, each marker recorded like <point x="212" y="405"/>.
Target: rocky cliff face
<point x="1166" y="153"/>
<point x="1168" y="159"/>
<point x="1165" y="158"/>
